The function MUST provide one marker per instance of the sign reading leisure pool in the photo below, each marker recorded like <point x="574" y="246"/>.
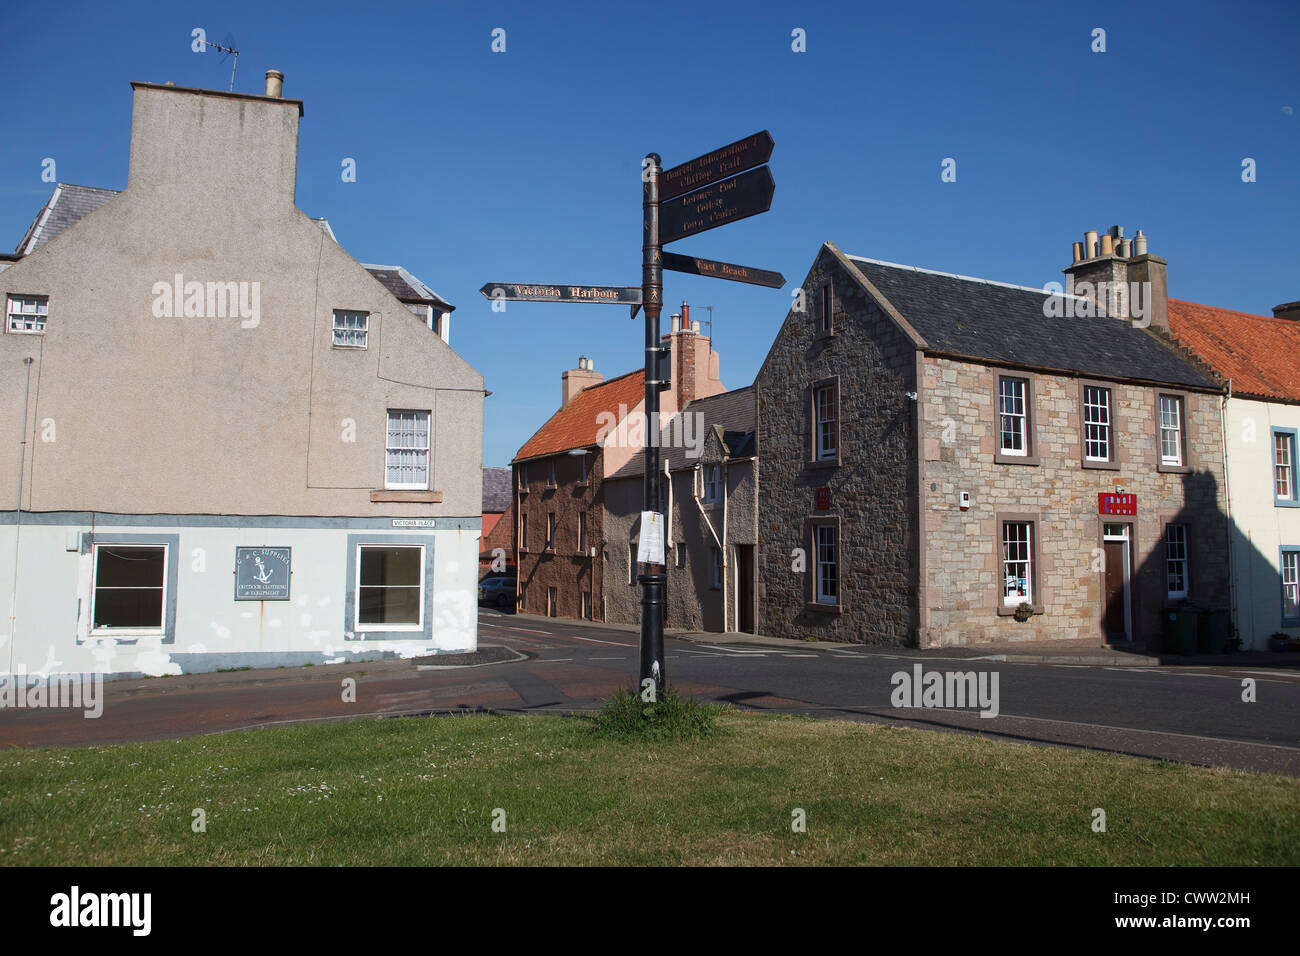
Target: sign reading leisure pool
<point x="262" y="574"/>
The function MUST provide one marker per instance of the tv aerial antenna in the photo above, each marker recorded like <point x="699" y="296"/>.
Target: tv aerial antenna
<point x="229" y="50"/>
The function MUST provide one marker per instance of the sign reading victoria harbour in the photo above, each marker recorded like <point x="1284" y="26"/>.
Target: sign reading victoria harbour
<point x="544" y="292"/>
<point x="262" y="574"/>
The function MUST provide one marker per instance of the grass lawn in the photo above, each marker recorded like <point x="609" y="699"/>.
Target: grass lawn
<point x="423" y="791"/>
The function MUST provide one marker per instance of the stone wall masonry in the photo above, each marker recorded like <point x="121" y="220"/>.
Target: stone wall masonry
<point x="873" y="487"/>
<point x="959" y="432"/>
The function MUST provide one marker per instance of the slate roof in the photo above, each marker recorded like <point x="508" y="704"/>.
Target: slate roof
<point x="68" y="205"/>
<point x="998" y="323"/>
<point x="732" y="412"/>
<point x="496" y="490"/>
<point x="1259" y="353"/>
<point x="577" y="424"/>
<point x="405" y="286"/>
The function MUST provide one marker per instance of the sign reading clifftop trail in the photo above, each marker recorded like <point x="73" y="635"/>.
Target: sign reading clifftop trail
<point x="709" y="191"/>
<point x="702" y="170"/>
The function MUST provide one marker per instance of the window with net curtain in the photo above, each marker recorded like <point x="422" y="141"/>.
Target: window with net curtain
<point x="407" y="450"/>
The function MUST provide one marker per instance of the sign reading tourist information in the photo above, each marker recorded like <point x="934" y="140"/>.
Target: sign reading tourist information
<point x="722" y="270"/>
<point x="262" y="574"/>
<point x="598" y="294"/>
<point x="741" y="155"/>
<point x="1116" y="504"/>
<point x="728" y="201"/>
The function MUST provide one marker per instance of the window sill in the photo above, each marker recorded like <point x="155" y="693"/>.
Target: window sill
<point x="1000" y="459"/>
<point x="427" y="497"/>
<point x="1285" y="503"/>
<point x="824" y="608"/>
<point x="1173" y="469"/>
<point x="349" y="348"/>
<point x="824" y="463"/>
<point x="128" y="632"/>
<point x="1100" y="465"/>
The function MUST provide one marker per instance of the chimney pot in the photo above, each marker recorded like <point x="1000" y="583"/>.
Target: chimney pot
<point x="1078" y="252"/>
<point x="1126" y="248"/>
<point x="686" y="315"/>
<point x="1140" y="244"/>
<point x="677" y="322"/>
<point x="1108" y="245"/>
<point x="695" y="327"/>
<point x="1090" y="244"/>
<point x="274" y="83"/>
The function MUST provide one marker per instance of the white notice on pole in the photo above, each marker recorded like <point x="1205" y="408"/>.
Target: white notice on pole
<point x="650" y="546"/>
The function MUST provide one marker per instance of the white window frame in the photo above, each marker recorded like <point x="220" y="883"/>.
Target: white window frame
<point x="1284" y="464"/>
<point x="360" y="329"/>
<point x="826" y="568"/>
<point x="1289" y="571"/>
<point x="390" y="448"/>
<point x="1171" y="425"/>
<point x="36" y="315"/>
<point x="712" y="484"/>
<point x="1177" y="561"/>
<point x="826" y="423"/>
<point x="1097" y="423"/>
<point x="94" y="591"/>
<point x="388" y="626"/>
<point x="1019" y="393"/>
<point x="1010" y="562"/>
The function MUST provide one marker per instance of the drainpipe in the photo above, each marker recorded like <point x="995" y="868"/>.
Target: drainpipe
<point x="18" y="519"/>
<point x="709" y="524"/>
<point x="726" y="563"/>
<point x="1227" y="504"/>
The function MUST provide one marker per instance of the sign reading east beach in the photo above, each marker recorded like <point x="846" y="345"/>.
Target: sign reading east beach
<point x="262" y="574"/>
<point x="722" y="270"/>
<point x="542" y="292"/>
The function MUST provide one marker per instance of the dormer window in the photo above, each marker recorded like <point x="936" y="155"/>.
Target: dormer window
<point x="27" y="313"/>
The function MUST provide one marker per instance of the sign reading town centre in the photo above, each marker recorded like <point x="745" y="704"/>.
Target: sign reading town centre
<point x="262" y="574"/>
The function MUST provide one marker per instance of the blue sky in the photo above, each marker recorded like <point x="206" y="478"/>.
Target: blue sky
<point x="474" y="166"/>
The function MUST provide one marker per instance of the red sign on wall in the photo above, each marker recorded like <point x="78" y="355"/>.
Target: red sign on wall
<point x="1116" y="504"/>
<point x="823" y="499"/>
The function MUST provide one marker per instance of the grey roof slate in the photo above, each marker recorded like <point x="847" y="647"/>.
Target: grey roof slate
<point x="998" y="323"/>
<point x="732" y="411"/>
<point x="405" y="286"/>
<point x="68" y="205"/>
<point x="496" y="489"/>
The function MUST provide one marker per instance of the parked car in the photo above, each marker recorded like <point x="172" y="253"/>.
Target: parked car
<point x="499" y="592"/>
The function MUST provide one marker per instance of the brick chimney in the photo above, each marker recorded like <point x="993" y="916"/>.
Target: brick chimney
<point x="694" y="363"/>
<point x="575" y="380"/>
<point x="1120" y="277"/>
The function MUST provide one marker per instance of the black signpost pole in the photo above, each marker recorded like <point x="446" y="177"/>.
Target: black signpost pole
<point x="653" y="577"/>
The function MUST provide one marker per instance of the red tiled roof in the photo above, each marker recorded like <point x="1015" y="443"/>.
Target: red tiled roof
<point x="1259" y="353"/>
<point x="576" y="425"/>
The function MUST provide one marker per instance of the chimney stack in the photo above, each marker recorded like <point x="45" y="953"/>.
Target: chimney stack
<point x="1120" y="278"/>
<point x="274" y="83"/>
<point x="575" y="380"/>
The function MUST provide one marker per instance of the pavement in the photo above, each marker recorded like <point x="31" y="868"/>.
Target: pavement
<point x="1186" y="709"/>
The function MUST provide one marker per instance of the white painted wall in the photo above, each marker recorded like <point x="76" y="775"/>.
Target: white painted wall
<point x="1261" y="527"/>
<point x="45" y="634"/>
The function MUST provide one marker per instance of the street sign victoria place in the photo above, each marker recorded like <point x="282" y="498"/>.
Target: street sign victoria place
<point x="728" y="201"/>
<point x="544" y="292"/>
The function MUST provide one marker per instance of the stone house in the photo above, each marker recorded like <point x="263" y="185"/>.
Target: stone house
<point x="1259" y="359"/>
<point x="708" y="452"/>
<point x="949" y="460"/>
<point x="560" y="473"/>
<point x="241" y="446"/>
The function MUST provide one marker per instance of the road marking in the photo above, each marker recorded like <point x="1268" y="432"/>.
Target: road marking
<point x="510" y="627"/>
<point x="575" y="637"/>
<point x="799" y="655"/>
<point x="551" y="660"/>
<point x="606" y="658"/>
